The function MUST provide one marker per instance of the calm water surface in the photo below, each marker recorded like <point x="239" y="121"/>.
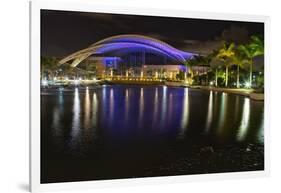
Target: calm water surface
<point x="107" y="132"/>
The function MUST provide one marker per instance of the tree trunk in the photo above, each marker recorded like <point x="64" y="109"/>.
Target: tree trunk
<point x="216" y="78"/>
<point x="238" y="74"/>
<point x="251" y="73"/>
<point x="226" y="76"/>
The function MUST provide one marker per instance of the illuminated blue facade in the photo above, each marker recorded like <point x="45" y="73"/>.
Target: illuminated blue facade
<point x="126" y="44"/>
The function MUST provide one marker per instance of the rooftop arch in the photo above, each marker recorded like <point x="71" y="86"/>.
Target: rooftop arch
<point x="128" y="43"/>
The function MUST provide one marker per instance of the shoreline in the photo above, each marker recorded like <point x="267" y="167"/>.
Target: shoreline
<point x="243" y="92"/>
<point x="239" y="91"/>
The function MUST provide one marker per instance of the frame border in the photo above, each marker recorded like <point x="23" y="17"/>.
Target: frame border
<point x="34" y="93"/>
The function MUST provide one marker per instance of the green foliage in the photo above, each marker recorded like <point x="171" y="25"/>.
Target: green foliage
<point x="180" y="75"/>
<point x="226" y="52"/>
<point x="254" y="48"/>
<point x="49" y="66"/>
<point x="260" y="81"/>
<point x="240" y="56"/>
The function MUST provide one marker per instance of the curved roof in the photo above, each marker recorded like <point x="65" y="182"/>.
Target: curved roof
<point x="128" y="43"/>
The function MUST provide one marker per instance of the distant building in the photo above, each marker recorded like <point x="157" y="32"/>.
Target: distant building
<point x="115" y="66"/>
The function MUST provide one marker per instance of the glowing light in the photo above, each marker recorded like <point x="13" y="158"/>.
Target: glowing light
<point x="66" y="78"/>
<point x="211" y="83"/>
<point x="156" y="74"/>
<point x="248" y="85"/>
<point x="61" y="89"/>
<point x="76" y="82"/>
<point x="44" y="82"/>
<point x="127" y="73"/>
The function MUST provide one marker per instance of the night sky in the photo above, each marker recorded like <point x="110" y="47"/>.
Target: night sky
<point x="63" y="33"/>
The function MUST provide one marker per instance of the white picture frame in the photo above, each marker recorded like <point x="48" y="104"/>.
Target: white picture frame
<point x="36" y="6"/>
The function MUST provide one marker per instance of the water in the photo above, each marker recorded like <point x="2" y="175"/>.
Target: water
<point x="126" y="131"/>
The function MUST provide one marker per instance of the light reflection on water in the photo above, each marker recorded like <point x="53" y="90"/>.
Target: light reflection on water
<point x="164" y="107"/>
<point x="76" y="129"/>
<point x="87" y="108"/>
<point x="210" y="112"/>
<point x="223" y="113"/>
<point x="95" y="110"/>
<point x="185" y="113"/>
<point x="111" y="106"/>
<point x="243" y="128"/>
<point x="141" y="106"/>
<point x="127" y="103"/>
<point x="155" y="108"/>
<point x="154" y="112"/>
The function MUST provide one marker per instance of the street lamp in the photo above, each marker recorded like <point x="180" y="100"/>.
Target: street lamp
<point x="247" y="84"/>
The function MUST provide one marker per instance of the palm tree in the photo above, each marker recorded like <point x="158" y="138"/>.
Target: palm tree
<point x="215" y="64"/>
<point x="240" y="61"/>
<point x="49" y="65"/>
<point x="191" y="63"/>
<point x="225" y="54"/>
<point x="203" y="62"/>
<point x="251" y="50"/>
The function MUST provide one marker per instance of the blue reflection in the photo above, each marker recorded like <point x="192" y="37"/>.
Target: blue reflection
<point x="127" y="105"/>
<point x="170" y="108"/>
<point x="111" y="105"/>
<point x="164" y="106"/>
<point x="126" y="113"/>
<point x="155" y="109"/>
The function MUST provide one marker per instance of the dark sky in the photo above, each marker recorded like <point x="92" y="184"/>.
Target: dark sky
<point x="65" y="32"/>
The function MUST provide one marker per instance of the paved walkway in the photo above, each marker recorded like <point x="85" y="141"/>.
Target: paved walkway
<point x="240" y="91"/>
